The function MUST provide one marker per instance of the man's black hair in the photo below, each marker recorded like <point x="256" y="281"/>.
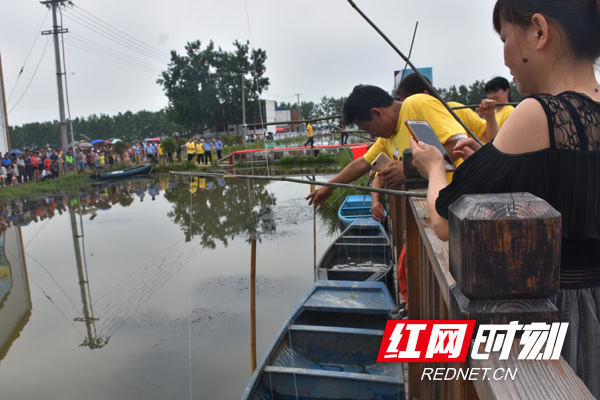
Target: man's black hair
<point x="411" y="84"/>
<point x="498" y="83"/>
<point x="362" y="99"/>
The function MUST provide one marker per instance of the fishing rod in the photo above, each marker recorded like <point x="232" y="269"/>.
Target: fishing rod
<point x="296" y="122"/>
<point x="427" y="84"/>
<point x="512" y="103"/>
<point x="410" y="50"/>
<point x="286" y="179"/>
<point x="354" y="133"/>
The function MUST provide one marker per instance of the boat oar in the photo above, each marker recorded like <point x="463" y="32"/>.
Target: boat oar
<point x="428" y="85"/>
<point x="286" y="179"/>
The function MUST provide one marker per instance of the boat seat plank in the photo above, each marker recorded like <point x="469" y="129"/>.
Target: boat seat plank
<point x="337" y="329"/>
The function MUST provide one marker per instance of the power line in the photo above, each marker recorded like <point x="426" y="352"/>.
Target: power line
<point x="117" y="37"/>
<point x="158" y="52"/>
<point x="37" y="35"/>
<point x="109" y="54"/>
<point x="31" y="80"/>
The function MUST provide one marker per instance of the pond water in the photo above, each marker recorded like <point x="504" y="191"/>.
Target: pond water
<point x="141" y="290"/>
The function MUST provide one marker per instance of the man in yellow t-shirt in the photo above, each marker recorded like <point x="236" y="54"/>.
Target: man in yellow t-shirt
<point x="372" y="109"/>
<point x="309" y="133"/>
<point x="498" y="91"/>
<point x="191" y="150"/>
<point x="199" y="152"/>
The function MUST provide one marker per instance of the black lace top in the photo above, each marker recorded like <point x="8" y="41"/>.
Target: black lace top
<point x="566" y="175"/>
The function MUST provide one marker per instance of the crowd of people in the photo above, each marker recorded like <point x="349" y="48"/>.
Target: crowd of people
<point x="200" y="151"/>
<point x="19" y="167"/>
<point x="549" y="146"/>
<point x="30" y="166"/>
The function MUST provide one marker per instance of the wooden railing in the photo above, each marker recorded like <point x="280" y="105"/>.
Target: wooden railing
<point x="500" y="265"/>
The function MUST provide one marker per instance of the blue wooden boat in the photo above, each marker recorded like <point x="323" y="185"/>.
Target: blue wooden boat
<point x="328" y="347"/>
<point x="123" y="173"/>
<point x="362" y="252"/>
<point x="353" y="207"/>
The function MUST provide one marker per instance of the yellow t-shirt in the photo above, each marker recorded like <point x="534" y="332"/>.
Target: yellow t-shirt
<point x="416" y="107"/>
<point x="503" y="114"/>
<point x="191" y="147"/>
<point x="309" y="130"/>
<point x="471" y="119"/>
<point x="420" y="107"/>
<point x="199" y="148"/>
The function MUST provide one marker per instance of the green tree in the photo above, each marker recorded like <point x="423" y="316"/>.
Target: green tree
<point x="331" y="106"/>
<point x="169" y="146"/>
<point x="204" y="86"/>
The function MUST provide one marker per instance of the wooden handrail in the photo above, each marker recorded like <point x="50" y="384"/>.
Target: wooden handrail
<point x="447" y="282"/>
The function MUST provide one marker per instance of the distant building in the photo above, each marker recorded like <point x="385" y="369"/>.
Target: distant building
<point x="270" y="114"/>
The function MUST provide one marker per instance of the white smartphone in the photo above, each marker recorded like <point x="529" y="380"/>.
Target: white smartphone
<point x="381" y="162"/>
<point x="422" y="131"/>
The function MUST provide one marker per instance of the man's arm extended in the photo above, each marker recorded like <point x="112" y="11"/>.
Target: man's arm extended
<point x="352" y="172"/>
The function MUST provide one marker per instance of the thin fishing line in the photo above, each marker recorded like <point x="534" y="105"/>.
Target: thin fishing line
<point x="253" y="55"/>
<point x="190" y="308"/>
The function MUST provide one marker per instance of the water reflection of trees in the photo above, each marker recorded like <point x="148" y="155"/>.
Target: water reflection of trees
<point x="221" y="211"/>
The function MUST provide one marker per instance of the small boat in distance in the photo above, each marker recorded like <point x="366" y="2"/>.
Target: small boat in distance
<point x="362" y="252"/>
<point x="353" y="207"/>
<point x="328" y="347"/>
<point x="123" y="173"/>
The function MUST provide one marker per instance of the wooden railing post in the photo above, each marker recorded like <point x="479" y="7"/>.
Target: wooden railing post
<point x="501" y="265"/>
<point x="504" y="254"/>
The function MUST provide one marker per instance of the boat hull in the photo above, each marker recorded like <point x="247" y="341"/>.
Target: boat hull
<point x="354" y="207"/>
<point x="124" y="173"/>
<point x="362" y="252"/>
<point x="328" y="348"/>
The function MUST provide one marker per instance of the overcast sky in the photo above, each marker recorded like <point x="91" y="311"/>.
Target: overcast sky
<point x="314" y="47"/>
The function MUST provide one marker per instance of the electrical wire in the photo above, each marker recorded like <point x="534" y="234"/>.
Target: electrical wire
<point x="117" y="36"/>
<point x="31" y="80"/>
<point x="130" y="38"/>
<point x="102" y="51"/>
<point x="38" y="34"/>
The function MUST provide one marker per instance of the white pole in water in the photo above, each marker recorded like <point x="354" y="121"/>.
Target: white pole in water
<point x="298" y="107"/>
<point x="244" y="129"/>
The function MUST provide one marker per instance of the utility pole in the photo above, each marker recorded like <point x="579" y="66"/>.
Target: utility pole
<point x="54" y="4"/>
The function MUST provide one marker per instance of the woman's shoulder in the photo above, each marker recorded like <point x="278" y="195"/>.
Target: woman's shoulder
<point x="525" y="130"/>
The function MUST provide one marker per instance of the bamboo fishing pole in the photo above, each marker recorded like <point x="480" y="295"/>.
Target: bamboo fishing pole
<point x="427" y="84"/>
<point x="303" y="121"/>
<point x="512" y="103"/>
<point x="356" y="133"/>
<point x="410" y="50"/>
<point x="286" y="179"/>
